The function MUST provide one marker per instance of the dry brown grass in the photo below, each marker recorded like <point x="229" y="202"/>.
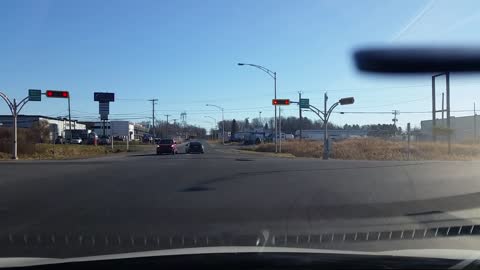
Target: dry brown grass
<point x="63" y="151"/>
<point x="68" y="151"/>
<point x="377" y="149"/>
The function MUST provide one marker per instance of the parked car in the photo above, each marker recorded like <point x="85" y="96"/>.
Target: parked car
<point x="168" y="146"/>
<point x="103" y="140"/>
<point x="194" y="147"/>
<point x="76" y="140"/>
<point x="59" y="140"/>
<point x="92" y="138"/>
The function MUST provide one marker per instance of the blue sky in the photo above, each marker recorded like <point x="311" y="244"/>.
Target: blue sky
<point x="185" y="52"/>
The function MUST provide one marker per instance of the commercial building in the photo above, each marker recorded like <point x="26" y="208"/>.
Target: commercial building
<point x="462" y="128"/>
<point x="57" y="126"/>
<point x="335" y="134"/>
<point x="116" y="129"/>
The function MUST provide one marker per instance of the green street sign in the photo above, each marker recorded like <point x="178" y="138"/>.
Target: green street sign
<point x="34" y="95"/>
<point x="304" y="103"/>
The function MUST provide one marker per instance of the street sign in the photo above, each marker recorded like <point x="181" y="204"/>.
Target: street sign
<point x="280" y="101"/>
<point x="57" y="94"/>
<point x="304" y="103"/>
<point x="34" y="95"/>
<point x="103" y="97"/>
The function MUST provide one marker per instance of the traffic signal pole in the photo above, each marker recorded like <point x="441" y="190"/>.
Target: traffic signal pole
<point x="300" y="113"/>
<point x="69" y="119"/>
<point x="275" y="96"/>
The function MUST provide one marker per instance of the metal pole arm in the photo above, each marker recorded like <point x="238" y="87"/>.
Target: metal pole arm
<point x="316" y="111"/>
<point x="9" y="103"/>
<point x="21" y="104"/>
<point x="264" y="69"/>
<point x="331" y="109"/>
<point x="215" y="106"/>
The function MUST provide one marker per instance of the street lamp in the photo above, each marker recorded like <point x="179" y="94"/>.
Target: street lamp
<point x="325" y="115"/>
<point x="214" y="122"/>
<point x="274" y="76"/>
<point x="223" y="121"/>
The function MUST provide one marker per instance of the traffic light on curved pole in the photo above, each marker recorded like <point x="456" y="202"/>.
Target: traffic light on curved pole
<point x="280" y="101"/>
<point x="57" y="94"/>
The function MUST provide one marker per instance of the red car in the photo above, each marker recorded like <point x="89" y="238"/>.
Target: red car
<point x="168" y="146"/>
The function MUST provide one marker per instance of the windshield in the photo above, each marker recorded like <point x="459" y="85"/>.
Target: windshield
<point x="297" y="145"/>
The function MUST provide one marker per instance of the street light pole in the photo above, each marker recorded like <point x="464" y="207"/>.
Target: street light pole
<point x="214" y="122"/>
<point x="223" y="121"/>
<point x="274" y="76"/>
<point x="276" y="125"/>
<point x="325" y="115"/>
<point x="166" y="126"/>
<point x="15" y="109"/>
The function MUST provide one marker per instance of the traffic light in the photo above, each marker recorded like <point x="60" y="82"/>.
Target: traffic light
<point x="57" y="94"/>
<point x="347" y="101"/>
<point x="280" y="101"/>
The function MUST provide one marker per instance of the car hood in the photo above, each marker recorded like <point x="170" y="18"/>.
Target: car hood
<point x="466" y="256"/>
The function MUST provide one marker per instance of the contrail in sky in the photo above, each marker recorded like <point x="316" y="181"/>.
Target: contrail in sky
<point x="414" y="20"/>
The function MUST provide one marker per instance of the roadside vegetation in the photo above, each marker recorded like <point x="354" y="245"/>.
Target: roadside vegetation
<point x="34" y="143"/>
<point x="69" y="151"/>
<point x="377" y="149"/>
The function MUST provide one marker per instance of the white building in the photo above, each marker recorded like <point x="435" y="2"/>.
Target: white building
<point x="57" y="126"/>
<point x="335" y="134"/>
<point x="119" y="129"/>
<point x="463" y="128"/>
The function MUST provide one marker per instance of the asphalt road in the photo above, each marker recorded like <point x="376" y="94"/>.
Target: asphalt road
<point x="223" y="197"/>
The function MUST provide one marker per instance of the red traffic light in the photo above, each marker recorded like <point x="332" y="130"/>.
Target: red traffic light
<point x="280" y="101"/>
<point x="57" y="94"/>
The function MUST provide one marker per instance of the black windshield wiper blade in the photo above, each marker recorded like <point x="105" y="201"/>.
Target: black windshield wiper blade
<point x="418" y="59"/>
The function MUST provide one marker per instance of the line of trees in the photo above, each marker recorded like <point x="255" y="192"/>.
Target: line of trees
<point x="291" y="124"/>
<point x="174" y="129"/>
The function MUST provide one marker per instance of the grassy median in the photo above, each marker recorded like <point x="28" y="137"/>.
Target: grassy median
<point x="70" y="151"/>
<point x="377" y="149"/>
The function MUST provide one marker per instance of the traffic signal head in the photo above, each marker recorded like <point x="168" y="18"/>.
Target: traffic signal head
<point x="280" y="101"/>
<point x="346" y="101"/>
<point x="57" y="94"/>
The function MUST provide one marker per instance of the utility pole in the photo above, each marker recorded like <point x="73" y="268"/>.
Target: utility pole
<point x="434" y="117"/>
<point x="395" y="120"/>
<point x="260" y="117"/>
<point x="474" y="124"/>
<point x="408" y="141"/>
<point x="166" y="126"/>
<point x="175" y="126"/>
<point x="448" y="114"/>
<point x="434" y="111"/>
<point x="443" y="107"/>
<point x="153" y="117"/>
<point x="300" y="113"/>
<point x="280" y="128"/>
<point x="69" y="118"/>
